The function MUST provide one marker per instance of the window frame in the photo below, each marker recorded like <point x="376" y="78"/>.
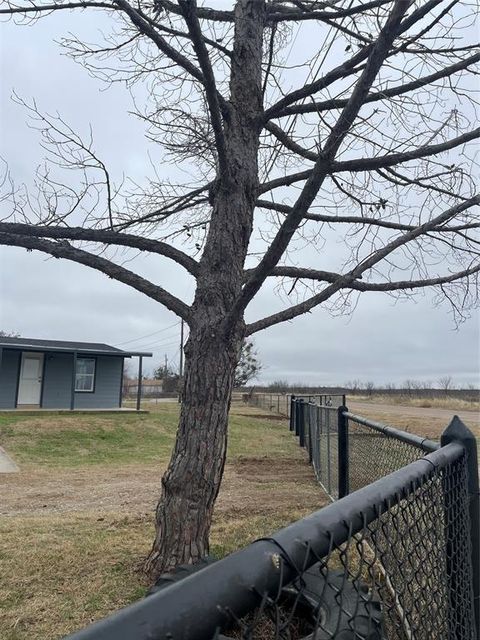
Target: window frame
<point x="94" y="375"/>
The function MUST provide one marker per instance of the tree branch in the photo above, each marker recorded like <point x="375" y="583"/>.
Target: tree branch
<point x="363" y="220"/>
<point x="321" y="167"/>
<point x="64" y="250"/>
<point x="39" y="8"/>
<point x="380" y="162"/>
<point x="347" y="68"/>
<point x="339" y="103"/>
<point x="281" y="14"/>
<point x="147" y="29"/>
<point x="205" y="13"/>
<point x="331" y="277"/>
<point x="351" y="278"/>
<point x="189" y="10"/>
<point x="103" y="236"/>
<point x="392" y="159"/>
<point x="361" y="286"/>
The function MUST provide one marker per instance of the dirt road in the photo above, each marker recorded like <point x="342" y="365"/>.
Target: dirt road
<point x="425" y="418"/>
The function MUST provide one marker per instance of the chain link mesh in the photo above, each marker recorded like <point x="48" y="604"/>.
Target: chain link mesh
<point x="392" y="561"/>
<point x="281" y="403"/>
<point x="373" y="454"/>
<point x="321" y="441"/>
<point x="402" y="576"/>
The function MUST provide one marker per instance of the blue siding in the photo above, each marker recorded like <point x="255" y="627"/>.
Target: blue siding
<point x="108" y="376"/>
<point x="9" y="378"/>
<point x="57" y="381"/>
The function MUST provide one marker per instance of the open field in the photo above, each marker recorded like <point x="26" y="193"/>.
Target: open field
<point x="450" y="402"/>
<point x="77" y="519"/>
<point x="424" y="421"/>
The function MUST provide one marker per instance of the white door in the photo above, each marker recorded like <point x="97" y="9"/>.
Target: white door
<point x="30" y="384"/>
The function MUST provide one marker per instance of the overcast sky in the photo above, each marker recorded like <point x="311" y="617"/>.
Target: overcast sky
<point x="46" y="298"/>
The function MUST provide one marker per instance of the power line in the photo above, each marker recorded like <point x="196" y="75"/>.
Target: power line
<point x="156" y="345"/>
<point x="162" y="339"/>
<point x="149" y="335"/>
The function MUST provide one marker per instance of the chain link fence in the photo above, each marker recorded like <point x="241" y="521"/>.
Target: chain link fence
<point x="375" y="450"/>
<point x="320" y="437"/>
<point x="390" y="562"/>
<point x="396" y="559"/>
<point x="281" y="403"/>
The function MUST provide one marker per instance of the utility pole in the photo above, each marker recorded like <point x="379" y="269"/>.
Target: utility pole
<point x="166" y="366"/>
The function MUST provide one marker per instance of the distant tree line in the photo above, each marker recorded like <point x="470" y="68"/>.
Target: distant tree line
<point x="411" y="388"/>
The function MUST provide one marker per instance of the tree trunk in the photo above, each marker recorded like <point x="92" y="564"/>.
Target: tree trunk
<point x="192" y="481"/>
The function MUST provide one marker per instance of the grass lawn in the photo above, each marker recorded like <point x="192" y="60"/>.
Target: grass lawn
<point x="78" y="518"/>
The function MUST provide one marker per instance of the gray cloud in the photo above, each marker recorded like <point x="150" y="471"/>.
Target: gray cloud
<point x="54" y="299"/>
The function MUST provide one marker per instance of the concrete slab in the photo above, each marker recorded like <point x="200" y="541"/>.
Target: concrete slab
<point x="58" y="412"/>
<point x="7" y="465"/>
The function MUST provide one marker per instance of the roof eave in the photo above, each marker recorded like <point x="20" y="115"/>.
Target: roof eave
<point x="92" y="352"/>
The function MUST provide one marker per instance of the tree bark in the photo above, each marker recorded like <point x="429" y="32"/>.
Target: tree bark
<point x="192" y="481"/>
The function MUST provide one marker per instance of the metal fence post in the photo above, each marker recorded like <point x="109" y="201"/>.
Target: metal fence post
<point x="329" y="455"/>
<point x="297" y="416"/>
<point x="292" y="413"/>
<point x="459" y="433"/>
<point x="343" y="471"/>
<point x="301" y="423"/>
<point x="311" y="407"/>
<point x="306" y="410"/>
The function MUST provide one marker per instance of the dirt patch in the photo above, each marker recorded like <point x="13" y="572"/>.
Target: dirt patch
<point x="262" y="416"/>
<point x="130" y="489"/>
<point x="279" y="468"/>
<point x="255" y="485"/>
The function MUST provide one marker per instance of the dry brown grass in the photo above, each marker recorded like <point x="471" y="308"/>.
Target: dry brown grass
<point x="429" y="423"/>
<point x="454" y="404"/>
<point x="73" y="535"/>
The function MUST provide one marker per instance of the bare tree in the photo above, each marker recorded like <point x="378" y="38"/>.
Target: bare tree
<point x="354" y="385"/>
<point x="369" y="387"/>
<point x="445" y="383"/>
<point x="369" y="152"/>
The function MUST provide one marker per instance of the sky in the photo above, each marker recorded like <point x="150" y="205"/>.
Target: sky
<point x="40" y="297"/>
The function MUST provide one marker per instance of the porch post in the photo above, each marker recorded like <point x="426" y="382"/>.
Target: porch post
<point x="139" y="387"/>
<point x="121" y="383"/>
<point x="74" y="372"/>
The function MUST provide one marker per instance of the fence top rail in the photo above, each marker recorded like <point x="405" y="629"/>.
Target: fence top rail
<point x="196" y="607"/>
<point x="328" y="407"/>
<point x="425" y="444"/>
<point x="301" y="396"/>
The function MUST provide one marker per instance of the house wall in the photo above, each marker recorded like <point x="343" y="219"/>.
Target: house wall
<point x="58" y="380"/>
<point x="9" y="370"/>
<point x="108" y="379"/>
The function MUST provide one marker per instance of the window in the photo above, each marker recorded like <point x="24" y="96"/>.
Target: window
<point x="85" y="375"/>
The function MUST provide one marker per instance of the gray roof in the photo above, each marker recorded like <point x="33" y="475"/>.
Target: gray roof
<point x="94" y="348"/>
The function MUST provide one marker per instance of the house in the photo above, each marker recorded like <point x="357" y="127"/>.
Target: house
<point x="52" y="374"/>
